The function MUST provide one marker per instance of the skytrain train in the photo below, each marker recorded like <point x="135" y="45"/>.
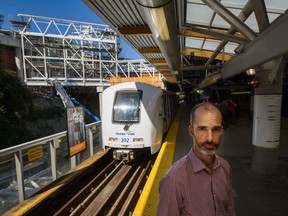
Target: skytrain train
<point x="135" y="117"/>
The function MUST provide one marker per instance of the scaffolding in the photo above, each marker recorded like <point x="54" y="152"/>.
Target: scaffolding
<point x="75" y="53"/>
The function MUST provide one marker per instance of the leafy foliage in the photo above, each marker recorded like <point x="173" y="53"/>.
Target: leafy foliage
<point x="14" y="98"/>
<point x="45" y="113"/>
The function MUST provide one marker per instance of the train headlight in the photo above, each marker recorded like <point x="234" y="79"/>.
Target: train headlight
<point x="114" y="155"/>
<point x="113" y="139"/>
<point x="137" y="139"/>
<point x="131" y="155"/>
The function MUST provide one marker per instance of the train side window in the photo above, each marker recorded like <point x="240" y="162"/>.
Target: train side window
<point x="126" y="107"/>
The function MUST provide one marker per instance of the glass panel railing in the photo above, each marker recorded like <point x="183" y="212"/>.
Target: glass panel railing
<point x="27" y="168"/>
<point x="8" y="192"/>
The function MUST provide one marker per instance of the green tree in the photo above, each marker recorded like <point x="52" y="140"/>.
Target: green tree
<point x="14" y="98"/>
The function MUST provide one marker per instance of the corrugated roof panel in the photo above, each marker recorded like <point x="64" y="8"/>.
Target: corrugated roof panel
<point x="105" y="10"/>
<point x="141" y="41"/>
<point x="160" y="64"/>
<point x="153" y="56"/>
<point x="131" y="8"/>
<point x="120" y="12"/>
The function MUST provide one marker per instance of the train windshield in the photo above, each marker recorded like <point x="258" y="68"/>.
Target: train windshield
<point x="127" y="106"/>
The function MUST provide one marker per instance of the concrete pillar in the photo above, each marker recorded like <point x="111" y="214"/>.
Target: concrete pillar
<point x="18" y="62"/>
<point x="267" y="117"/>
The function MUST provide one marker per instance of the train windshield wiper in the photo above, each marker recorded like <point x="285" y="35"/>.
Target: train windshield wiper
<point x="127" y="126"/>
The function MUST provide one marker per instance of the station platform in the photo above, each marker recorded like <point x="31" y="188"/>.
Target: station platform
<point x="254" y="194"/>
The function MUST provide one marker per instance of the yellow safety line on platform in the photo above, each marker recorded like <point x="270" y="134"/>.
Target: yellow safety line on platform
<point x="148" y="200"/>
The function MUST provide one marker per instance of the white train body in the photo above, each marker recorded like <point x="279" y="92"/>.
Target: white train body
<point x="135" y="116"/>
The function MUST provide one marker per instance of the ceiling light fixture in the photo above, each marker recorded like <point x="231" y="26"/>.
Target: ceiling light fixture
<point x="251" y="72"/>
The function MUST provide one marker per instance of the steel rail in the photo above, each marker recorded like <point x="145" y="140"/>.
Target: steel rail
<point x="135" y="192"/>
<point x="86" y="202"/>
<point x="104" y="197"/>
<point x="84" y="192"/>
<point x="120" y="201"/>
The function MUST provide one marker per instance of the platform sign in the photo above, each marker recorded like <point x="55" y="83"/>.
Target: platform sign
<point x="35" y="153"/>
<point x="267" y="118"/>
<point x="76" y="130"/>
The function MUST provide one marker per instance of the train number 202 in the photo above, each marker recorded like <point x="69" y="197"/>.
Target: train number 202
<point x="125" y="140"/>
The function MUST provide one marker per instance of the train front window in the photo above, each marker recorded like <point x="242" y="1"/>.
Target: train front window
<point x="127" y="106"/>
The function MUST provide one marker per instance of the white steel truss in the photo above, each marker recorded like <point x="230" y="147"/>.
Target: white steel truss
<point x="75" y="53"/>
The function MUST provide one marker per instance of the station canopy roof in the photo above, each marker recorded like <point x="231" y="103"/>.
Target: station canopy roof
<point x="198" y="43"/>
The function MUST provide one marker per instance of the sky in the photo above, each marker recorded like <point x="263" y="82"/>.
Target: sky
<point x="64" y="9"/>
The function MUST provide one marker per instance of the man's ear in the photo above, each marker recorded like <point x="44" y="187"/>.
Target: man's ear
<point x="191" y="131"/>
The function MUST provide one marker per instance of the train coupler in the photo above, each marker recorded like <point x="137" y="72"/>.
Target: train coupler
<point x="124" y="155"/>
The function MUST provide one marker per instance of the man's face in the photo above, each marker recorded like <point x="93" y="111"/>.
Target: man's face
<point x="206" y="131"/>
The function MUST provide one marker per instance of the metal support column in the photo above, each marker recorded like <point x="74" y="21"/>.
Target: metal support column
<point x="73" y="162"/>
<point x="53" y="146"/>
<point x="100" y="91"/>
<point x="91" y="149"/>
<point x="20" y="175"/>
<point x="18" y="61"/>
<point x="23" y="59"/>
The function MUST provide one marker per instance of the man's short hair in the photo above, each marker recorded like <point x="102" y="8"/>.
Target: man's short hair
<point x="207" y="106"/>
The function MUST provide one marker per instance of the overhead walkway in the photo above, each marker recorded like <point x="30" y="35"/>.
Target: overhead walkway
<point x="75" y="53"/>
<point x="254" y="194"/>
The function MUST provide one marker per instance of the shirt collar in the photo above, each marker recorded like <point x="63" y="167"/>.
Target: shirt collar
<point x="198" y="165"/>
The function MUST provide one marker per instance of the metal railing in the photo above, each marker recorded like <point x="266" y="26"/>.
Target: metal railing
<point x="30" y="166"/>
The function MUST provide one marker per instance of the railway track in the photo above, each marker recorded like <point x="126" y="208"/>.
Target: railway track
<point x="112" y="190"/>
<point x="116" y="195"/>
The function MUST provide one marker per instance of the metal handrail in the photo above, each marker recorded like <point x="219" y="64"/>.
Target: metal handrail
<point x="53" y="142"/>
<point x="30" y="144"/>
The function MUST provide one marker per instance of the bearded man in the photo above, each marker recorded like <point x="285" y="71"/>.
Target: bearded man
<point x="200" y="182"/>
